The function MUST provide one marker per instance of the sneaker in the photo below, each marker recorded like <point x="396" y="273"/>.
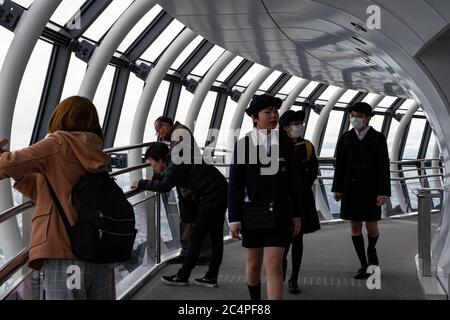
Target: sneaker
<point x="173" y="280"/>
<point x="206" y="282"/>
<point x="293" y="287"/>
<point x="362" y="273"/>
<point x="177" y="260"/>
<point x="372" y="257"/>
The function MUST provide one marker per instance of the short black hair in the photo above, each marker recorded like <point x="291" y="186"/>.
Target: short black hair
<point x="164" y="119"/>
<point x="157" y="151"/>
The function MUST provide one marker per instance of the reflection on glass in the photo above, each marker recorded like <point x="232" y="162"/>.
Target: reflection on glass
<point x="431" y="146"/>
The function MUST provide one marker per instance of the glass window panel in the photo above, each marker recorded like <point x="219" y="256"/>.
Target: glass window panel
<point x="66" y="10"/>
<point x="414" y="138"/>
<point x="250" y="75"/>
<point x="387" y="102"/>
<point x="204" y="119"/>
<point x="309" y="89"/>
<point x="103" y="92"/>
<point x="139" y="28"/>
<point x="29" y="95"/>
<point x="229" y="68"/>
<point x="296" y="108"/>
<point x="369" y="97"/>
<point x="270" y="80"/>
<point x="331" y="134"/>
<point x="183" y="105"/>
<point x="247" y="126"/>
<point x="431" y="144"/>
<point x="326" y="95"/>
<point x="348" y="96"/>
<point x="133" y="93"/>
<point x="377" y="122"/>
<point x="156" y="111"/>
<point x="225" y="125"/>
<point x="107" y="19"/>
<point x="391" y="135"/>
<point x="412" y="184"/>
<point x="311" y="124"/>
<point x="186" y="52"/>
<point x="24" y="3"/>
<point x="163" y="41"/>
<point x="6" y="36"/>
<point x="407" y="105"/>
<point x="287" y="88"/>
<point x="208" y="61"/>
<point x="74" y="77"/>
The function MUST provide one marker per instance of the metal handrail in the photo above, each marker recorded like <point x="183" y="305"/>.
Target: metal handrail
<point x="14" y="264"/>
<point x="14" y="211"/>
<point x="126" y="148"/>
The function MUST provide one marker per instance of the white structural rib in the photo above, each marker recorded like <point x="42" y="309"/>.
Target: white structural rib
<point x="289" y="101"/>
<point x="103" y="54"/>
<point x="395" y="156"/>
<point x="204" y="86"/>
<point x="153" y="81"/>
<point x="26" y="36"/>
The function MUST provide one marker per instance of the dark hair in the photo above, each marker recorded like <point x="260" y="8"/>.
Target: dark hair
<point x="164" y="119"/>
<point x="157" y="151"/>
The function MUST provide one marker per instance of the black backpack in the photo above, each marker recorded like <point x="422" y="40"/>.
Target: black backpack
<point x="105" y="230"/>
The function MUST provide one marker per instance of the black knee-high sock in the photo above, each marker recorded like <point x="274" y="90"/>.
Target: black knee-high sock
<point x="255" y="291"/>
<point x="297" y="253"/>
<point x="358" y="243"/>
<point x="372" y="243"/>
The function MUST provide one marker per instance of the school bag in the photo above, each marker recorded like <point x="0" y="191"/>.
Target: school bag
<point x="105" y="230"/>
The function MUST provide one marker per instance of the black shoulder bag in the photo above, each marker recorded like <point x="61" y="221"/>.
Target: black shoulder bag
<point x="257" y="217"/>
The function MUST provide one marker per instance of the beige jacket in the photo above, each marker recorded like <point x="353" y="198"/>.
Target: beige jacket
<point x="63" y="157"/>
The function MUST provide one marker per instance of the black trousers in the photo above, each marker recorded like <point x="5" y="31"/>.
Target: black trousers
<point x="210" y="221"/>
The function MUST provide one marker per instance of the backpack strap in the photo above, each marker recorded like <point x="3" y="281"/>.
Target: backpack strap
<point x="61" y="211"/>
<point x="309" y="149"/>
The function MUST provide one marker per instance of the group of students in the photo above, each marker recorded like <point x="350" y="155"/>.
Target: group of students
<point x="74" y="146"/>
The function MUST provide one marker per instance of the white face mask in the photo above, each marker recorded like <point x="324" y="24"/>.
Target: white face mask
<point x="295" y="131"/>
<point x="357" y="123"/>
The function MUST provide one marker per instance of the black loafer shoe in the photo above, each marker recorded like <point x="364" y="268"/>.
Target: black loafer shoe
<point x="293" y="287"/>
<point x="362" y="273"/>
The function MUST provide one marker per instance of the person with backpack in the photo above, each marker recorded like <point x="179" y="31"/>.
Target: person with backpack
<point x="306" y="169"/>
<point x="209" y="190"/>
<point x="72" y="149"/>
